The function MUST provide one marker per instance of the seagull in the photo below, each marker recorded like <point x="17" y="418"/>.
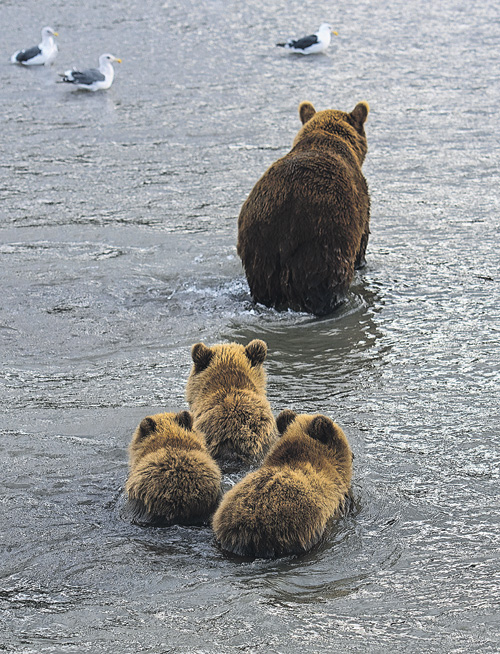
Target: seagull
<point x="312" y="44"/>
<point x="93" y="79"/>
<point x="43" y="53"/>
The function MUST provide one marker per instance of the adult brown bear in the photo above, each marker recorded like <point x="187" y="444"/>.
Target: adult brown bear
<point x="304" y="227"/>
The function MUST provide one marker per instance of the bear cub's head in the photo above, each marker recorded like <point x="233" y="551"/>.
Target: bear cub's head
<point x="163" y="430"/>
<point x="317" y="427"/>
<point x="150" y="425"/>
<point x="255" y="353"/>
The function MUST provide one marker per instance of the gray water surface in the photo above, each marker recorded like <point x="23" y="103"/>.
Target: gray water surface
<point x="117" y="253"/>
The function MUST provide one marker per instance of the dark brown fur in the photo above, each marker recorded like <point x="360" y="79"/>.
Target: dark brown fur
<point x="226" y="392"/>
<point x="283" y="508"/>
<point x="304" y="227"/>
<point x="173" y="479"/>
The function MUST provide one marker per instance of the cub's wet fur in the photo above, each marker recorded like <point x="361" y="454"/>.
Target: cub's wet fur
<point x="284" y="506"/>
<point x="173" y="479"/>
<point x="226" y="392"/>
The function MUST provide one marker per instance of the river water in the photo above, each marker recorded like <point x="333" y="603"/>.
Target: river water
<point x="117" y="253"/>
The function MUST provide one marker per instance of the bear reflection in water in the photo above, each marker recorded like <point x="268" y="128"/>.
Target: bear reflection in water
<point x="284" y="506"/>
<point x="304" y="227"/>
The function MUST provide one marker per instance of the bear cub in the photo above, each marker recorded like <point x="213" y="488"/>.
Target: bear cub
<point x="226" y="392"/>
<point x="284" y="507"/>
<point x="173" y="479"/>
<point x="304" y="227"/>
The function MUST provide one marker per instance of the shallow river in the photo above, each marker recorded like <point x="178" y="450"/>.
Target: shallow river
<point x="117" y="253"/>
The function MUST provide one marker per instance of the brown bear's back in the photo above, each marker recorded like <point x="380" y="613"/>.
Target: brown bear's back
<point x="174" y="485"/>
<point x="271" y="513"/>
<point x="172" y="477"/>
<point x="305" y="224"/>
<point x="239" y="426"/>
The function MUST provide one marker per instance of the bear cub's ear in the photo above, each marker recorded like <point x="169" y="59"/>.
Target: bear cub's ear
<point x="322" y="429"/>
<point x="285" y="419"/>
<point x="201" y="355"/>
<point x="256" y="352"/>
<point x="306" y="111"/>
<point x="184" y="419"/>
<point x="360" y="113"/>
<point x="147" y="427"/>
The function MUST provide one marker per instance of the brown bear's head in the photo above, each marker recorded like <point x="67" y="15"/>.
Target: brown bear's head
<point x="223" y="367"/>
<point x="165" y="429"/>
<point x="255" y="352"/>
<point x="347" y="126"/>
<point x="318" y="427"/>
<point x="151" y="424"/>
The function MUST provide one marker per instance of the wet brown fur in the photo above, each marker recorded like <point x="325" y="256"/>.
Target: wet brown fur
<point x="226" y="392"/>
<point x="173" y="479"/>
<point x="284" y="506"/>
<point x="304" y="227"/>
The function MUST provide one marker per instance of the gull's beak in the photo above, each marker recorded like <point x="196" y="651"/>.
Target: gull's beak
<point x="335" y="33"/>
<point x="55" y="33"/>
<point x="118" y="61"/>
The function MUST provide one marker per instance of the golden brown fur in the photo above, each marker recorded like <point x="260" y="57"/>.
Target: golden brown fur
<point x="172" y="479"/>
<point x="305" y="225"/>
<point x="226" y="392"/>
<point x="284" y="506"/>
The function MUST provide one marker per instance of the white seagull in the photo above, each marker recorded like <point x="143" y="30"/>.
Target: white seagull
<point x="43" y="53"/>
<point x="312" y="44"/>
<point x="93" y="79"/>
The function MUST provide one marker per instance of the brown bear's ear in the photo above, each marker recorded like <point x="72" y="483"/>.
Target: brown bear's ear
<point x="322" y="429"/>
<point x="256" y="352"/>
<point x="201" y="355"/>
<point x="360" y="113"/>
<point x="306" y="111"/>
<point x="147" y="427"/>
<point x="285" y="419"/>
<point x="184" y="419"/>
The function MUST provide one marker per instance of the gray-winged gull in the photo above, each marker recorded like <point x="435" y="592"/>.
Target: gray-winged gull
<point x="312" y="44"/>
<point x="43" y="53"/>
<point x="93" y="79"/>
